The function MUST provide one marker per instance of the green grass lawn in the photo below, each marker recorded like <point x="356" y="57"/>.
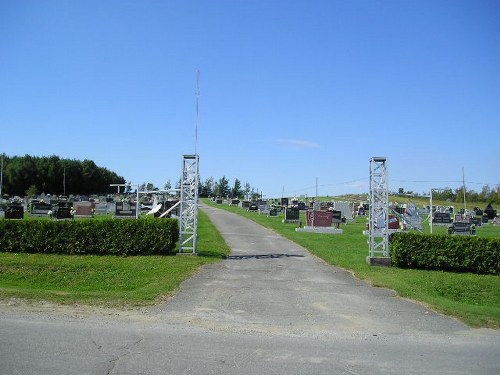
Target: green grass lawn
<point x="105" y="280"/>
<point x="474" y="299"/>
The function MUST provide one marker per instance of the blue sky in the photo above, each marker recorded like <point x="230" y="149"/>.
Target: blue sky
<point x="290" y="91"/>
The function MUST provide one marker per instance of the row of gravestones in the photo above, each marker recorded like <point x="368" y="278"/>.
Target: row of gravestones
<point x="68" y="210"/>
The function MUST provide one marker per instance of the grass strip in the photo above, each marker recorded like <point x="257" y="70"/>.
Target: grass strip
<point x="106" y="280"/>
<point x="473" y="299"/>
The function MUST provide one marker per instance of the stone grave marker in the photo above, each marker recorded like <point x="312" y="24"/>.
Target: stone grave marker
<point x="441" y="218"/>
<point x="40" y="208"/>
<point x="62" y="213"/>
<point x="14" y="211"/>
<point x="125" y="210"/>
<point x="346" y="208"/>
<point x="244" y="204"/>
<point x="263" y="209"/>
<point x="292" y="216"/>
<point x="393" y="222"/>
<point x="284" y="202"/>
<point x="319" y="222"/>
<point x="316" y="218"/>
<point x="102" y="208"/>
<point x="84" y="209"/>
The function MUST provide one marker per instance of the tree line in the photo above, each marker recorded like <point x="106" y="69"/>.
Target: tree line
<point x="211" y="187"/>
<point x="30" y="175"/>
<point x="486" y="195"/>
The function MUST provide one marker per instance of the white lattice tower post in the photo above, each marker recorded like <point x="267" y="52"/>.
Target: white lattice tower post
<point x="379" y="212"/>
<point x="188" y="223"/>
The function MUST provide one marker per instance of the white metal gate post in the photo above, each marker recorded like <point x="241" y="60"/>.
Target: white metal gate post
<point x="379" y="213"/>
<point x="188" y="221"/>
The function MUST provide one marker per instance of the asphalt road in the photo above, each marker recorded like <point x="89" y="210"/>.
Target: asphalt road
<point x="271" y="308"/>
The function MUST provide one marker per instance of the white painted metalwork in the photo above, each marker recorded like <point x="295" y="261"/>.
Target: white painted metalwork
<point x="379" y="208"/>
<point x="188" y="223"/>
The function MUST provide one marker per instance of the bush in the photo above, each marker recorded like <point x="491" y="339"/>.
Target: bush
<point x="100" y="237"/>
<point x="447" y="253"/>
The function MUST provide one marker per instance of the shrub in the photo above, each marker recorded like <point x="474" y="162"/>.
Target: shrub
<point x="447" y="253"/>
<point x="118" y="237"/>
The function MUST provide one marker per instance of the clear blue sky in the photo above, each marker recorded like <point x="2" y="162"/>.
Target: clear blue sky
<point x="290" y="91"/>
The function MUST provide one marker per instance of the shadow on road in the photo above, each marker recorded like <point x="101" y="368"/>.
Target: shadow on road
<point x="263" y="256"/>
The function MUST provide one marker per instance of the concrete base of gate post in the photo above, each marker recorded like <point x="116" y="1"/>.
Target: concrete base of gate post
<point x="378" y="261"/>
<point x="328" y="230"/>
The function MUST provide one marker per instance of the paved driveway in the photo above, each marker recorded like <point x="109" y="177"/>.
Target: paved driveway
<point x="271" y="308"/>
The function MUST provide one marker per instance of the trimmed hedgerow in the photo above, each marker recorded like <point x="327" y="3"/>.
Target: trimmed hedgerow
<point x="447" y="253"/>
<point x="98" y="237"/>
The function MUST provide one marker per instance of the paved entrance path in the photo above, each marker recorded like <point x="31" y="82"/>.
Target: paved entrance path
<point x="271" y="308"/>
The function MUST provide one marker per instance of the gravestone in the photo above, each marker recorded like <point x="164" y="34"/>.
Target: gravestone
<point x="84" y="209"/>
<point x="393" y="222"/>
<point x="253" y="207"/>
<point x="273" y="212"/>
<point x="301" y="205"/>
<point x="477" y="221"/>
<point x="316" y="218"/>
<point x="245" y="204"/>
<point x="40" y="208"/>
<point x="125" y="209"/>
<point x="14" y="211"/>
<point x="319" y="222"/>
<point x="284" y="202"/>
<point x="441" y="218"/>
<point x="490" y="212"/>
<point x="346" y="208"/>
<point x="62" y="213"/>
<point x="101" y="208"/>
<point x="336" y="216"/>
<point x="218" y="201"/>
<point x="263" y="209"/>
<point x="234" y="202"/>
<point x="292" y="216"/>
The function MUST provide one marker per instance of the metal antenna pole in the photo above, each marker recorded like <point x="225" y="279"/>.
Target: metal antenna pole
<point x="197" y="94"/>
<point x="1" y="178"/>
<point x="463" y="187"/>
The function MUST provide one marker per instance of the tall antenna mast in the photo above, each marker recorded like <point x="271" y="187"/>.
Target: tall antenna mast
<point x="1" y="177"/>
<point x="463" y="187"/>
<point x="197" y="94"/>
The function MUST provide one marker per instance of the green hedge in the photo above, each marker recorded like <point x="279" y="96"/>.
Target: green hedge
<point x="447" y="253"/>
<point x="100" y="237"/>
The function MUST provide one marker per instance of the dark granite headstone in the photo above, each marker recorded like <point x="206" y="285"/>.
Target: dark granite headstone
<point x="85" y="209"/>
<point x="14" y="211"/>
<point x="336" y="216"/>
<point x="292" y="214"/>
<point x="284" y="202"/>
<point x="253" y="207"/>
<point x="441" y="218"/>
<point x="62" y="213"/>
<point x="477" y="221"/>
<point x="490" y="212"/>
